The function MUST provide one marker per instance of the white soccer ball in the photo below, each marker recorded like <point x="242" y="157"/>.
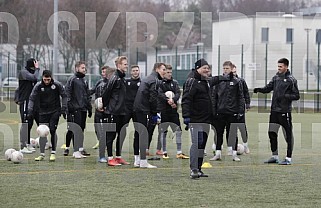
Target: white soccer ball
<point x="43" y="130"/>
<point x="17" y="157"/>
<point x="240" y="149"/>
<point x="8" y="153"/>
<point x="33" y="142"/>
<point x="99" y="103"/>
<point x="169" y="94"/>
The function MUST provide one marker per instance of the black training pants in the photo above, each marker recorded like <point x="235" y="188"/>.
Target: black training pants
<point x="285" y="120"/>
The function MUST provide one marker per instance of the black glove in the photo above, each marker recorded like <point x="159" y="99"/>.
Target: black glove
<point x="247" y="106"/>
<point x="239" y="116"/>
<point x="154" y="119"/>
<point x="256" y="90"/>
<point x="29" y="116"/>
<point x="186" y="122"/>
<point x="231" y="75"/>
<point x="64" y="115"/>
<point x="70" y="108"/>
<point x="90" y="113"/>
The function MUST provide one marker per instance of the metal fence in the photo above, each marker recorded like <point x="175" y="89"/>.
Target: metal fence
<point x="257" y="63"/>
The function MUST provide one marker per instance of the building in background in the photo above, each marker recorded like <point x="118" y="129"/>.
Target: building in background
<point x="255" y="43"/>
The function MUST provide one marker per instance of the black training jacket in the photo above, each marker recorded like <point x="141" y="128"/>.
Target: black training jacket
<point x="212" y="80"/>
<point x="168" y="85"/>
<point x="196" y="100"/>
<point x="228" y="97"/>
<point x="48" y="98"/>
<point x="285" y="90"/>
<point x="27" y="80"/>
<point x="132" y="86"/>
<point x="115" y="94"/>
<point x="146" y="97"/>
<point x="78" y="94"/>
<point x="246" y="94"/>
<point x="99" y="87"/>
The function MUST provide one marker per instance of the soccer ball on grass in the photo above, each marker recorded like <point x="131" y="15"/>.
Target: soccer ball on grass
<point x="8" y="154"/>
<point x="17" y="157"/>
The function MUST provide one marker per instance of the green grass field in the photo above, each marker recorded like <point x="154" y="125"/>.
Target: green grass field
<point x="249" y="183"/>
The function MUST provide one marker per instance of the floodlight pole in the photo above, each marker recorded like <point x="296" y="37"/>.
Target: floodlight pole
<point x="307" y="63"/>
<point x="146" y="35"/>
<point x="55" y="41"/>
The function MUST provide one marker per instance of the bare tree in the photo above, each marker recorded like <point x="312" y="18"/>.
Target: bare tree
<point x="32" y="16"/>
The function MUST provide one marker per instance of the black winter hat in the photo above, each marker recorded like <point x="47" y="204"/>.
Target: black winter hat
<point x="199" y="63"/>
<point x="30" y="62"/>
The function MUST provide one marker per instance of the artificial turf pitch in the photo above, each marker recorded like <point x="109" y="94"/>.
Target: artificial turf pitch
<point x="86" y="183"/>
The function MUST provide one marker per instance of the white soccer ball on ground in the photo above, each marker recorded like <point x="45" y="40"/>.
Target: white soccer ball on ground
<point x="33" y="142"/>
<point x="99" y="104"/>
<point x="169" y="94"/>
<point x="8" y="153"/>
<point x="43" y="130"/>
<point x="17" y="157"/>
<point x="240" y="149"/>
